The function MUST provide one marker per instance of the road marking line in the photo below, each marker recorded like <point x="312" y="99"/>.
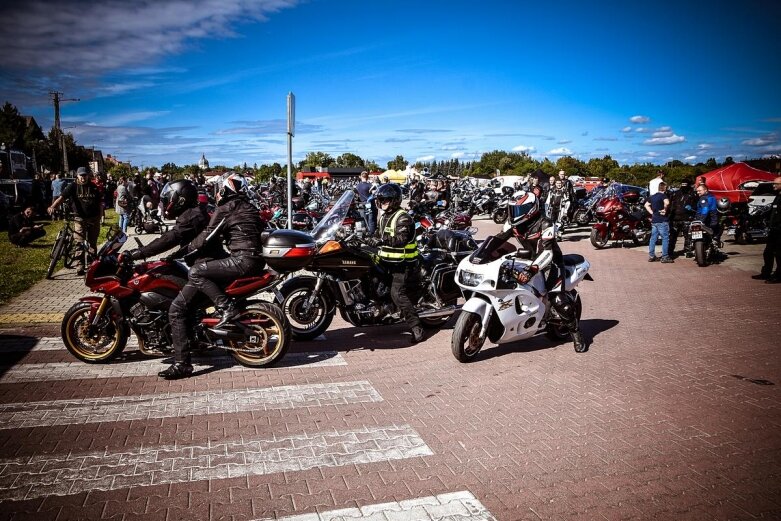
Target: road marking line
<point x="462" y="506"/>
<point x="123" y="408"/>
<point x="43" y="475"/>
<point x="150" y="367"/>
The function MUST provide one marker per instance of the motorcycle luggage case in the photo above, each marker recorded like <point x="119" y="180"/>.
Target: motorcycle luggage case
<point x="288" y="250"/>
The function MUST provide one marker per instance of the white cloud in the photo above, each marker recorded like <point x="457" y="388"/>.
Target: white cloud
<point x="564" y="141"/>
<point x="424" y="158"/>
<point x="666" y="140"/>
<point x="664" y="129"/>
<point x="704" y="146"/>
<point x="759" y="141"/>
<point x="642" y="130"/>
<point x="626" y="129"/>
<point x="690" y="158"/>
<point x="561" y="151"/>
<point x="141" y="32"/>
<point x="665" y="133"/>
<point x="523" y="148"/>
<point x="457" y="155"/>
<point x="639" y="119"/>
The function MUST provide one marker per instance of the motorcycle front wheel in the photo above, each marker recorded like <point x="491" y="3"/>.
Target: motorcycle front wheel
<point x="92" y="345"/>
<point x="598" y="240"/>
<point x="700" y="254"/>
<point x="500" y="215"/>
<point x="466" y="341"/>
<point x="581" y="218"/>
<point x="306" y="323"/>
<point x="268" y="340"/>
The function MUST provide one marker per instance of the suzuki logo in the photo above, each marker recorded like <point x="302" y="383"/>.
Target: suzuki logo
<point x="504" y="304"/>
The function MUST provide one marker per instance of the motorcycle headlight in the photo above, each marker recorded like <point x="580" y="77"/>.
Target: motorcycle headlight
<point x="468" y="278"/>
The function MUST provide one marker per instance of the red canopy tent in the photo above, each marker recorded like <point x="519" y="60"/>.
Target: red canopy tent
<point x="735" y="181"/>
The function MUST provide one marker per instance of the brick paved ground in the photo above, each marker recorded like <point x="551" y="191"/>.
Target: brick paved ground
<point x="673" y="413"/>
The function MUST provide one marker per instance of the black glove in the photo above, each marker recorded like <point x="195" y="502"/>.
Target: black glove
<point x="133" y="254"/>
<point x="526" y="274"/>
<point x="371" y="241"/>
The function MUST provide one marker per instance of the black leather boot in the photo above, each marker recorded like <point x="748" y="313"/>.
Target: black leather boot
<point x="418" y="335"/>
<point x="229" y="314"/>
<point x="177" y="370"/>
<point x="579" y="342"/>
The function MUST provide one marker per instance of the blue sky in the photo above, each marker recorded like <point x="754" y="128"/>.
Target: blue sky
<point x="164" y="81"/>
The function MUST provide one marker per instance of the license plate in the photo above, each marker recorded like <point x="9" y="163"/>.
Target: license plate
<point x="696" y="235"/>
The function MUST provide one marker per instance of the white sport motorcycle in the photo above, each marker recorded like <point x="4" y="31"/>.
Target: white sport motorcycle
<point x="501" y="309"/>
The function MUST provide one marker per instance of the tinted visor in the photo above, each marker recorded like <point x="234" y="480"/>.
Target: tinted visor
<point x="518" y="211"/>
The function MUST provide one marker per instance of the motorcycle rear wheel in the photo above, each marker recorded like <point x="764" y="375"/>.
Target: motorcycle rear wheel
<point x="700" y="254"/>
<point x="500" y="215"/>
<point x="109" y="341"/>
<point x="309" y="324"/>
<point x="271" y="332"/>
<point x="598" y="240"/>
<point x="582" y="218"/>
<point x="466" y="341"/>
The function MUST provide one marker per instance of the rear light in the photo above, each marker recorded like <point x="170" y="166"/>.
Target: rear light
<point x="696" y="228"/>
<point x="300" y="251"/>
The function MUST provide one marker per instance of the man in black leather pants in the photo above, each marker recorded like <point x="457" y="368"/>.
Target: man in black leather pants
<point x="238" y="223"/>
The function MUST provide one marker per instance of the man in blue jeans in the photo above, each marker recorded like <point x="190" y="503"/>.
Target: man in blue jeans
<point x="657" y="206"/>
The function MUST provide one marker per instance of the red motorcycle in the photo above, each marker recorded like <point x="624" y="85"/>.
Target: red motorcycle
<point x="136" y="297"/>
<point x="621" y="218"/>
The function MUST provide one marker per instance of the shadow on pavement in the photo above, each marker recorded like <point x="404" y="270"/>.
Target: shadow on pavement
<point x="591" y="328"/>
<point x="22" y="345"/>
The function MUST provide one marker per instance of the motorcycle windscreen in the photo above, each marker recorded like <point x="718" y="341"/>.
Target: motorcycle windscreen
<point x="491" y="249"/>
<point x="332" y="221"/>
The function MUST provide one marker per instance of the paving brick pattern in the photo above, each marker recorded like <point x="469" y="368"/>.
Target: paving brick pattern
<point x="461" y="506"/>
<point x="50" y="475"/>
<point x="150" y="367"/>
<point x="673" y="413"/>
<point x="144" y="407"/>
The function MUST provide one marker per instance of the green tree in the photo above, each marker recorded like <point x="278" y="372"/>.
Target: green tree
<point x="314" y="160"/>
<point x="12" y="127"/>
<point x="120" y="169"/>
<point x="399" y="163"/>
<point x="349" y="160"/>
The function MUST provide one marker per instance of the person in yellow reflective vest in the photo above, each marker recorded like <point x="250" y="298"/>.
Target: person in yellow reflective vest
<point x="398" y="253"/>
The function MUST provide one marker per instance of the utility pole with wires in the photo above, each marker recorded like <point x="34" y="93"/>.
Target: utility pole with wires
<point x="56" y="99"/>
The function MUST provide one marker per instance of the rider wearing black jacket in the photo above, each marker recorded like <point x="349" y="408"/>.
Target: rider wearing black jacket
<point x="238" y="223"/>
<point x="180" y="200"/>
<point x="683" y="206"/>
<point x="537" y="235"/>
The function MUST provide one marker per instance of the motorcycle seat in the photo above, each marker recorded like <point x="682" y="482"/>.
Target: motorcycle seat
<point x="573" y="259"/>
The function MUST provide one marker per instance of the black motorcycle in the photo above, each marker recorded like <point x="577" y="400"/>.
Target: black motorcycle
<point x="706" y="247"/>
<point x="346" y="276"/>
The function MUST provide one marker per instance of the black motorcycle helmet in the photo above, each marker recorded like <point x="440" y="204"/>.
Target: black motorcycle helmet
<point x="508" y="190"/>
<point x="389" y="192"/>
<point x="523" y="212"/>
<point x="178" y="196"/>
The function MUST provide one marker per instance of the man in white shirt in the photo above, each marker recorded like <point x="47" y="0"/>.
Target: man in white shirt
<point x="653" y="186"/>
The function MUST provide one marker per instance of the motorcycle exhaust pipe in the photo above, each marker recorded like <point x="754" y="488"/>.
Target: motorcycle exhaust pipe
<point x="436" y="313"/>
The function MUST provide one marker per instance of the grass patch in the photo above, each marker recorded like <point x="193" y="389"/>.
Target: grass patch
<point x="20" y="268"/>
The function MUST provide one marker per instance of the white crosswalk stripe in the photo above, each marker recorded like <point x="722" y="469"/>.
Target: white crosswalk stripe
<point x="122" y="408"/>
<point x="44" y="475"/>
<point x="455" y="506"/>
<point x="80" y="370"/>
